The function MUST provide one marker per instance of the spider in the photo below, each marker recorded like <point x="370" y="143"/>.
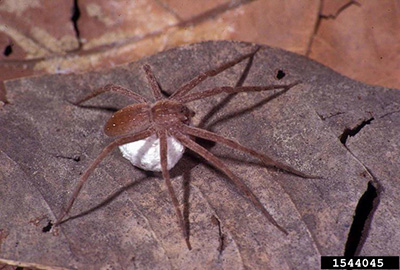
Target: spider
<point x="169" y="119"/>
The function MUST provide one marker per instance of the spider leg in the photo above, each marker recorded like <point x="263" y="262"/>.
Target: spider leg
<point x="228" y="89"/>
<point x="113" y="88"/>
<point x="163" y="155"/>
<point x="153" y="82"/>
<point x="184" y="89"/>
<point x="131" y="138"/>
<point x="216" y="162"/>
<point x="211" y="136"/>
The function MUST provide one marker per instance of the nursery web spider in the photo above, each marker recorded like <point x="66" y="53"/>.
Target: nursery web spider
<point x="170" y="117"/>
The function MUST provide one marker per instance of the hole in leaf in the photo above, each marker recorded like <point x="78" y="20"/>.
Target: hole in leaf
<point x="280" y="74"/>
<point x="363" y="211"/>
<point x="8" y="50"/>
<point x="76" y="14"/>
<point x="48" y="227"/>
<point x="350" y="132"/>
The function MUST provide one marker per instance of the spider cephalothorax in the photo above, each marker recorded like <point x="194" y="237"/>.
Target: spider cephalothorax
<point x="167" y="113"/>
<point x="165" y="123"/>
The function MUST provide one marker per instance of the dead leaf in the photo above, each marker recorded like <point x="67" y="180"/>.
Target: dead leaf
<point x="123" y="218"/>
<point x="360" y="40"/>
<point x="357" y="38"/>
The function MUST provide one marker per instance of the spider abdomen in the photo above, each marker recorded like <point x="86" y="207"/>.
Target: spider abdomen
<point x="145" y="153"/>
<point x="130" y="119"/>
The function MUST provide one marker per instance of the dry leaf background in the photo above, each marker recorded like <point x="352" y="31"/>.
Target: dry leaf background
<point x="359" y="39"/>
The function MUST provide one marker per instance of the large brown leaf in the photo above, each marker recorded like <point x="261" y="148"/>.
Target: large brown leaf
<point x="359" y="39"/>
<point x="342" y="130"/>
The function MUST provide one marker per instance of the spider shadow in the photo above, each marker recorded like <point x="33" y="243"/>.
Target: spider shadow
<point x="148" y="174"/>
<point x="109" y="199"/>
<point x="204" y="122"/>
<point x="191" y="159"/>
<point x="209" y="126"/>
<point x="98" y="108"/>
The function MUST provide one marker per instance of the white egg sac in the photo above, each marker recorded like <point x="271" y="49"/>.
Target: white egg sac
<point x="145" y="153"/>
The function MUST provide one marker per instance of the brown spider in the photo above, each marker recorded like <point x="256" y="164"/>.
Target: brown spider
<point x="170" y="117"/>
